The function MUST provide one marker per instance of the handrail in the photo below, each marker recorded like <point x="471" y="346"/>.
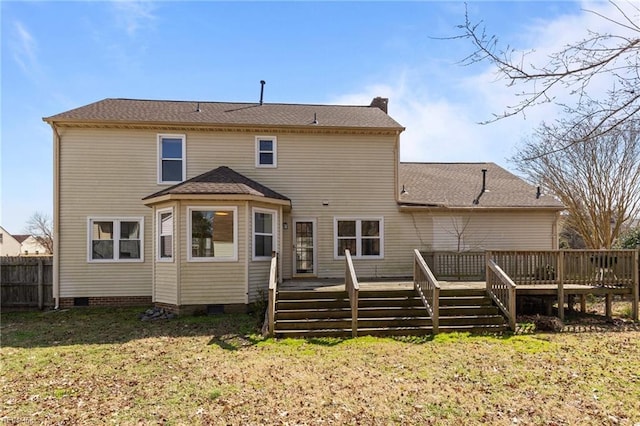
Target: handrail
<point x="428" y="287"/>
<point x="353" y="288"/>
<point x="502" y="290"/>
<point x="273" y="286"/>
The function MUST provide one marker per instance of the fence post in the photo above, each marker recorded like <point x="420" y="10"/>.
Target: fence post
<point x="635" y="282"/>
<point x="560" y="278"/>
<point x="40" y="283"/>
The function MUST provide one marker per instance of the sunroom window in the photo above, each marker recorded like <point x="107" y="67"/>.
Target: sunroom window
<point x="263" y="233"/>
<point x="165" y="234"/>
<point x="212" y="233"/>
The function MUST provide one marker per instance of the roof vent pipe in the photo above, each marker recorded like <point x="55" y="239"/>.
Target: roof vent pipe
<point x="538" y="193"/>
<point x="262" y="83"/>
<point x="484" y="187"/>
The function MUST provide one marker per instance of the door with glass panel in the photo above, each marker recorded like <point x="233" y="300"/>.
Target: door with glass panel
<point x="304" y="252"/>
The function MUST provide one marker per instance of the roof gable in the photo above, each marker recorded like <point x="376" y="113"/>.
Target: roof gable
<point x="220" y="181"/>
<point x="457" y="185"/>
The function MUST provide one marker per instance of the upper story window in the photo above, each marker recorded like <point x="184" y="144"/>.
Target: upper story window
<point x="112" y="240"/>
<point x="212" y="233"/>
<point x="363" y="237"/>
<point x="172" y="164"/>
<point x="266" y="151"/>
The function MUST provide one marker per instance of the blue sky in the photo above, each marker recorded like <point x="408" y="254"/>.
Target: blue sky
<point x="61" y="55"/>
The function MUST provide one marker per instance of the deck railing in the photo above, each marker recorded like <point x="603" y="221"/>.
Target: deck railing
<point x="596" y="268"/>
<point x="353" y="288"/>
<point x="503" y="291"/>
<point x="456" y="266"/>
<point x="588" y="267"/>
<point x="428" y="287"/>
<point x="273" y="287"/>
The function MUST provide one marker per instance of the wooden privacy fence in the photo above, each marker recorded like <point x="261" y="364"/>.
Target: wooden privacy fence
<point x="26" y="281"/>
<point x="456" y="266"/>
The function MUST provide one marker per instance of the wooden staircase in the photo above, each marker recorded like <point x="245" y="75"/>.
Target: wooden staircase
<point x="382" y="313"/>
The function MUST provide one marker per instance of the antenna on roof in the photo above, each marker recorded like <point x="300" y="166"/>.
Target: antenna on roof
<point x="262" y="83"/>
<point x="315" y="118"/>
<point x="198" y="107"/>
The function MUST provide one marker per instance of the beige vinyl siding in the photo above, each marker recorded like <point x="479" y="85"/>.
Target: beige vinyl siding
<point x="259" y="269"/>
<point x="499" y="230"/>
<point x="166" y="283"/>
<point x="355" y="174"/>
<point x="213" y="282"/>
<point x="104" y="173"/>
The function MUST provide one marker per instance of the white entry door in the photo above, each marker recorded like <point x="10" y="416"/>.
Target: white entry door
<point x="304" y="247"/>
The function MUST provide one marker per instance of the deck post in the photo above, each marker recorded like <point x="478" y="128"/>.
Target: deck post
<point x="560" y="278"/>
<point x="607" y="305"/>
<point x="583" y="303"/>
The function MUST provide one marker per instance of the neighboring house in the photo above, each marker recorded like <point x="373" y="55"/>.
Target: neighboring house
<point x="182" y="203"/>
<point x="31" y="246"/>
<point x="19" y="245"/>
<point x="9" y="244"/>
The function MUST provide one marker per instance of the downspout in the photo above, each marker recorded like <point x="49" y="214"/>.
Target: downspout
<point x="248" y="236"/>
<point x="56" y="215"/>
<point x="396" y="166"/>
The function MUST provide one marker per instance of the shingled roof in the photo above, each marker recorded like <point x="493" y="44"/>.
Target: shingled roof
<point x="220" y="181"/>
<point x="115" y="111"/>
<point x="457" y="185"/>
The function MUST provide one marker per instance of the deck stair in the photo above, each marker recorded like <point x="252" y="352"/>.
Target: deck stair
<point x="311" y="313"/>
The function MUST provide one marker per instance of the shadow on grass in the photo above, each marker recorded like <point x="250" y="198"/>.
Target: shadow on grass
<point x="233" y="342"/>
<point x="80" y="326"/>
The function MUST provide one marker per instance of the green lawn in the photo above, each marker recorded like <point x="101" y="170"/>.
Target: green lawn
<point x="99" y="366"/>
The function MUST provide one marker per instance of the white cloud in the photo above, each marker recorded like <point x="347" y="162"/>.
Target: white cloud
<point x="133" y="15"/>
<point x="445" y="127"/>
<point x="24" y="48"/>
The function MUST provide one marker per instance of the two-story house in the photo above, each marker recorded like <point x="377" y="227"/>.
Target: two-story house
<point x="183" y="203"/>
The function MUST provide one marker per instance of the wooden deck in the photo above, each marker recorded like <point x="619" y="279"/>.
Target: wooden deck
<point x="556" y="276"/>
<point x="337" y="284"/>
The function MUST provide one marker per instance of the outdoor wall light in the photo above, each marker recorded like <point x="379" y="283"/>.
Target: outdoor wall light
<point x="285" y="225"/>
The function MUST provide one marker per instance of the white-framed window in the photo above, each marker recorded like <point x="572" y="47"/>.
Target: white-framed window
<point x="264" y="233"/>
<point x="164" y="226"/>
<point x="364" y="237"/>
<point x="172" y="162"/>
<point x="266" y="151"/>
<point x="212" y="233"/>
<point x="115" y="239"/>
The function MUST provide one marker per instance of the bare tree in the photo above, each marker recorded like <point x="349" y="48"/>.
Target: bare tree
<point x="40" y="227"/>
<point x="598" y="179"/>
<point x="598" y="57"/>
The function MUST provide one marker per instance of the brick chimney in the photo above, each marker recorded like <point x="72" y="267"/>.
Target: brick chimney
<point x="381" y="103"/>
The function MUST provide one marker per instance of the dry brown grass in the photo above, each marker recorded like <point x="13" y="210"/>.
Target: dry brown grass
<point x="106" y="367"/>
